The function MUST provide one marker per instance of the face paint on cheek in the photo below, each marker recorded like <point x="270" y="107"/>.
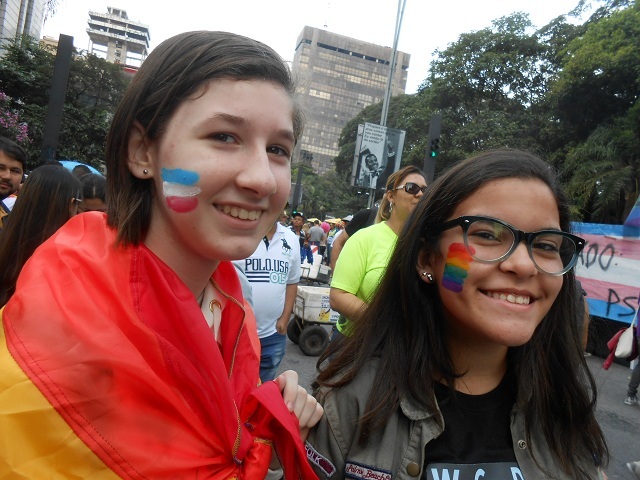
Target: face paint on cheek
<point x="456" y="267"/>
<point x="178" y="188"/>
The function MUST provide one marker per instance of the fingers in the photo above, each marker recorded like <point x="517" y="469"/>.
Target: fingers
<point x="308" y="411"/>
<point x="288" y="384"/>
<point x="304" y="406"/>
<point x="313" y="420"/>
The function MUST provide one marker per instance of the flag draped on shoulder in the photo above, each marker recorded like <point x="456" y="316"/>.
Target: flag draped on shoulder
<point x="112" y="348"/>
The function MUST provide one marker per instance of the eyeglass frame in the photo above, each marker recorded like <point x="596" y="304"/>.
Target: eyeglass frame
<point x="465" y="221"/>
<point x="407" y="185"/>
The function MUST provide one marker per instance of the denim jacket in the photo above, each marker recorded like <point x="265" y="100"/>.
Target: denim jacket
<point x="396" y="451"/>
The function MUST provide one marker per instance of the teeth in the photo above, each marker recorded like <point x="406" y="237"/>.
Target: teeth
<point x="509" y="297"/>
<point x="241" y="213"/>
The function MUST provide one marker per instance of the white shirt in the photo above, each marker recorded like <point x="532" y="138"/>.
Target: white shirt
<point x="269" y="270"/>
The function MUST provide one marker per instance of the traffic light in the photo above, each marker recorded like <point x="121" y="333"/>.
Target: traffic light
<point x="435" y="147"/>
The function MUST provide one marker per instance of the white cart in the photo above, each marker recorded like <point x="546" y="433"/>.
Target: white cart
<point x="311" y="315"/>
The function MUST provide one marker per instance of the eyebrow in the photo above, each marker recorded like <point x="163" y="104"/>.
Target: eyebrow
<point x="243" y="122"/>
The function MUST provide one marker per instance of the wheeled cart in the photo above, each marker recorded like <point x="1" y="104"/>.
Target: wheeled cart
<point x="311" y="315"/>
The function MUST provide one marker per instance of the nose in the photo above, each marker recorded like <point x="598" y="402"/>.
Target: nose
<point x="519" y="261"/>
<point x="256" y="173"/>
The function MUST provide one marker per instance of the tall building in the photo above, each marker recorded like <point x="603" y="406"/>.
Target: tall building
<point x="338" y="76"/>
<point x="20" y="17"/>
<point x="117" y="39"/>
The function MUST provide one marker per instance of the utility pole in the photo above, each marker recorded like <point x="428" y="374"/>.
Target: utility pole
<point x="389" y="87"/>
<point x="53" y="122"/>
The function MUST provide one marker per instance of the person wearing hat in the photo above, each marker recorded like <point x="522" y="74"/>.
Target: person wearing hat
<point x="296" y="227"/>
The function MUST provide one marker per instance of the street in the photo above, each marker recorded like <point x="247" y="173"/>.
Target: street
<point x="620" y="423"/>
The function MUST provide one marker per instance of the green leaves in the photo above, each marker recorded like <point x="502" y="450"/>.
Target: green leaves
<point x="93" y="91"/>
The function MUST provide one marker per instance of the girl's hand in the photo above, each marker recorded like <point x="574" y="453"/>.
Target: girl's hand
<point x="298" y="401"/>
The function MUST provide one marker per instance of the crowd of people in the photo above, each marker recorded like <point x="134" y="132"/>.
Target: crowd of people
<point x="144" y="313"/>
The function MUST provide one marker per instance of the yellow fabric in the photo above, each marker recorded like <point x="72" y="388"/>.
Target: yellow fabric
<point x="55" y="452"/>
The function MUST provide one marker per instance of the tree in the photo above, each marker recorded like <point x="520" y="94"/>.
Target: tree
<point x="93" y="91"/>
<point x="11" y="126"/>
<point x="596" y="113"/>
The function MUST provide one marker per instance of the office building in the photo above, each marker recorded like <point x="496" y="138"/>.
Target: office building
<point x="20" y="17"/>
<point x="338" y="76"/>
<point x="117" y="39"/>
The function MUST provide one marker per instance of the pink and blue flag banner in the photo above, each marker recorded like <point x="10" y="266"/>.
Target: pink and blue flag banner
<point x="633" y="220"/>
<point x="609" y="269"/>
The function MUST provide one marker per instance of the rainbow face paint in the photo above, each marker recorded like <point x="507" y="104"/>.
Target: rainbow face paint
<point x="456" y="267"/>
<point x="179" y="189"/>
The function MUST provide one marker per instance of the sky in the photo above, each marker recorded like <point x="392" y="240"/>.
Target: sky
<point x="427" y="25"/>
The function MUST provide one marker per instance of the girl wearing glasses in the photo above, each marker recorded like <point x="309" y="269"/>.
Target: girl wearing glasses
<point x="364" y="258"/>
<point x="467" y="363"/>
<point x="126" y="351"/>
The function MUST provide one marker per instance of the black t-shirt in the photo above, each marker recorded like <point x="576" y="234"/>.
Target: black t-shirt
<point x="362" y="218"/>
<point x="302" y="236"/>
<point x="476" y="442"/>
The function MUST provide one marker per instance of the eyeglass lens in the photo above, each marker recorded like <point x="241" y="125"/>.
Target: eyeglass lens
<point x="413" y="188"/>
<point x="489" y="241"/>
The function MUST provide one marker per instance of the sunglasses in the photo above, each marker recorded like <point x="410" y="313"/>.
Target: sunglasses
<point x="412" y="188"/>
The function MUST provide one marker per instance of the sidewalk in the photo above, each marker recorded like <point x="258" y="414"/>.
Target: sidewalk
<point x="620" y="422"/>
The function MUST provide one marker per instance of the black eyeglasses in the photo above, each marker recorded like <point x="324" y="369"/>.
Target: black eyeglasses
<point x="412" y="188"/>
<point x="489" y="240"/>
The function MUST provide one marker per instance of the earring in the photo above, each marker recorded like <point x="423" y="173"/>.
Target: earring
<point x="390" y="207"/>
<point x="145" y="171"/>
<point x="429" y="276"/>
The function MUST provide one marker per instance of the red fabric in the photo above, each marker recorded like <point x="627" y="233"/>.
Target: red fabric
<point x="118" y="345"/>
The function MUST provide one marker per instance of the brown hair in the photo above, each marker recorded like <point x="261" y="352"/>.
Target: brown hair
<point x="174" y="70"/>
<point x="393" y="182"/>
<point x="41" y="208"/>
<point x="404" y="330"/>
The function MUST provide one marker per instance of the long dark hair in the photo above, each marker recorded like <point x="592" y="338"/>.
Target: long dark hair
<point x="41" y="208"/>
<point x="175" y="70"/>
<point x="403" y="327"/>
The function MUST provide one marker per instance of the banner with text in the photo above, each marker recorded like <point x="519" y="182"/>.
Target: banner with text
<point x="377" y="155"/>
<point x="609" y="269"/>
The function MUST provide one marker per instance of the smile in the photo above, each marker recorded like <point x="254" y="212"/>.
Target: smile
<point x="240" y="213"/>
<point x="509" y="297"/>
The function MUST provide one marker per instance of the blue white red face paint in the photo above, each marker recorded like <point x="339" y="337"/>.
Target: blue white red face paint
<point x="456" y="267"/>
<point x="178" y="187"/>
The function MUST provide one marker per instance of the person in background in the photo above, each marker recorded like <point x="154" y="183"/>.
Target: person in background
<point x="364" y="257"/>
<point x="634" y="380"/>
<point x="126" y="336"/>
<point x="284" y="219"/>
<point x="298" y="227"/>
<point x="316" y="236"/>
<point x="322" y="249"/>
<point x="50" y="196"/>
<point x="273" y="271"/>
<point x="12" y="163"/>
<point x="93" y="193"/>
<point x="468" y="357"/>
<point x="80" y="171"/>
<point x="352" y="223"/>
